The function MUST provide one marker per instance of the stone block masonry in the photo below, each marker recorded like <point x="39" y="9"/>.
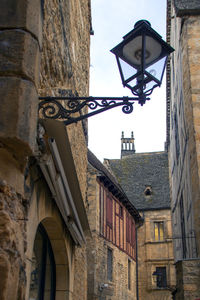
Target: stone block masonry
<point x="12" y="244"/>
<point x="188" y="273"/>
<point x="20" y="39"/>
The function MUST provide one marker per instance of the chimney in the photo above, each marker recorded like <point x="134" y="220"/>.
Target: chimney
<point x="127" y="145"/>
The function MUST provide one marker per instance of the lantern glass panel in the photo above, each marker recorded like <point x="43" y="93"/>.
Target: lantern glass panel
<point x="132" y="51"/>
<point x="127" y="70"/>
<point x="156" y="70"/>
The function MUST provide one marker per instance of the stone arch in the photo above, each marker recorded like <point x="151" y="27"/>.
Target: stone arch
<point x="62" y="252"/>
<point x="62" y="255"/>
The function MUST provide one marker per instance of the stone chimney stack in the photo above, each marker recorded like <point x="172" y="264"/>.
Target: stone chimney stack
<point x="127" y="145"/>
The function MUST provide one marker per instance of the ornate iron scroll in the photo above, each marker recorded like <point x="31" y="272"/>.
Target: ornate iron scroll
<point x="65" y="107"/>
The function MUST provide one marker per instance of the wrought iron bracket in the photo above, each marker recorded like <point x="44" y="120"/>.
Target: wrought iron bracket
<point x="66" y="107"/>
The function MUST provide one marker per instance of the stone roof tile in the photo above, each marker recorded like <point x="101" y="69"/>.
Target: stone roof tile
<point x="140" y="170"/>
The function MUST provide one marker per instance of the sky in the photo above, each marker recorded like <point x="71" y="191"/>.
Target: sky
<point x="111" y="20"/>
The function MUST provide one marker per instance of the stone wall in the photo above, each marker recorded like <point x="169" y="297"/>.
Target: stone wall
<point x="184" y="156"/>
<point x="191" y="59"/>
<point x="152" y="254"/>
<point x="42" y="210"/>
<point x="65" y="65"/>
<point x="97" y="248"/>
<point x="188" y="273"/>
<point x="97" y="271"/>
<point x="65" y="71"/>
<point x="12" y="243"/>
<point x="184" y="127"/>
<point x="44" y="48"/>
<point x="20" y="43"/>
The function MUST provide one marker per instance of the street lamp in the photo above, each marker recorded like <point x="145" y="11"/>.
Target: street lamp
<point x="141" y="58"/>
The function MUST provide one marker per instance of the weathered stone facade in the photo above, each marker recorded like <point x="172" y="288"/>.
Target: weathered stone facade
<point x="44" y="49"/>
<point x="144" y="178"/>
<point x="123" y="283"/>
<point x="187" y="272"/>
<point x="183" y="77"/>
<point x="97" y="268"/>
<point x="152" y="254"/>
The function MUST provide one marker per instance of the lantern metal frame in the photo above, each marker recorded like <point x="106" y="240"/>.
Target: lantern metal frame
<point x="143" y="77"/>
<point x="67" y="107"/>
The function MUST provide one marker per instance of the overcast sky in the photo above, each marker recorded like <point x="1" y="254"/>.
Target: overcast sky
<point x="111" y="20"/>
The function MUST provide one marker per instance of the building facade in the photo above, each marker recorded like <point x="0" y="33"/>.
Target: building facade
<point x="44" y="51"/>
<point x="183" y="94"/>
<point x="144" y="178"/>
<point x="112" y="248"/>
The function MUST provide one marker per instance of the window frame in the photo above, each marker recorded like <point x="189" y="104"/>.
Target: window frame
<point x="101" y="204"/>
<point x="109" y="210"/>
<point x="129" y="274"/>
<point x="159" y="223"/>
<point x="130" y="231"/>
<point x="121" y="211"/>
<point x="109" y="264"/>
<point x="161" y="282"/>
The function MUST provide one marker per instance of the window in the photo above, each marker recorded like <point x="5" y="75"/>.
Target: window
<point x="161" y="278"/>
<point x="109" y="211"/>
<point x="129" y="274"/>
<point x="148" y="191"/>
<point x="101" y="210"/>
<point x="159" y="231"/>
<point x="109" y="264"/>
<point x="121" y="211"/>
<point x="130" y="231"/>
<point x="42" y="281"/>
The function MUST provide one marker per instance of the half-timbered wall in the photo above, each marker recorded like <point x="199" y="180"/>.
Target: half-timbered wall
<point x="116" y="224"/>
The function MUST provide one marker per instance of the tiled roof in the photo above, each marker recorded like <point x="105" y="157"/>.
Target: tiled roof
<point x="112" y="184"/>
<point x="138" y="171"/>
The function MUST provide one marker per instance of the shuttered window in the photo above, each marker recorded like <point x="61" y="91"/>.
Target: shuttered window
<point x="109" y="264"/>
<point x="101" y="196"/>
<point x="130" y="231"/>
<point x="109" y="211"/>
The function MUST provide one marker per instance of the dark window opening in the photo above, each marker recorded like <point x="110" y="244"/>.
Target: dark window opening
<point x="43" y="270"/>
<point x="121" y="211"/>
<point x="161" y="277"/>
<point x="148" y="191"/>
<point x="109" y="264"/>
<point x="129" y="274"/>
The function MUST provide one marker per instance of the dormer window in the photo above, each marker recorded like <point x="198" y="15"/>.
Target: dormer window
<point x="148" y="191"/>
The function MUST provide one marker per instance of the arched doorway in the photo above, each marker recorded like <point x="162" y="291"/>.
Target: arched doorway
<point x="50" y="271"/>
<point x="43" y="269"/>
